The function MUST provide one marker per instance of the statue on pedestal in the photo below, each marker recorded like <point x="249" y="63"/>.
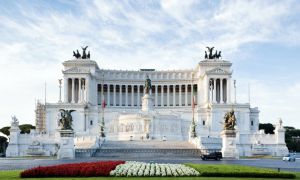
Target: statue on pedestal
<point x="14" y="121"/>
<point x="147" y="100"/>
<point x="148" y="85"/>
<point x="230" y="120"/>
<point x="65" y="121"/>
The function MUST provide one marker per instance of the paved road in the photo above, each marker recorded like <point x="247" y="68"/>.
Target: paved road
<point x="11" y="164"/>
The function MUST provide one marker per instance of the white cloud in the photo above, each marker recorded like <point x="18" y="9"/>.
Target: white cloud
<point x="274" y="100"/>
<point x="163" y="34"/>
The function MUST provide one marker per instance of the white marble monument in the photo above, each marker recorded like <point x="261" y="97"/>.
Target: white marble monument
<point x="165" y="112"/>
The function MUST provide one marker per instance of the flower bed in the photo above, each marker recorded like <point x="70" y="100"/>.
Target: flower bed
<point x="133" y="168"/>
<point x="73" y="170"/>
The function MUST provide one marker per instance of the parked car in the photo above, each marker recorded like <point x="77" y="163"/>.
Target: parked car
<point x="289" y="157"/>
<point x="213" y="155"/>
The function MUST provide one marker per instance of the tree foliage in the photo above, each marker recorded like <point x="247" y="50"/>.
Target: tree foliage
<point x="268" y="127"/>
<point x="5" y="130"/>
<point x="25" y="128"/>
<point x="292" y="144"/>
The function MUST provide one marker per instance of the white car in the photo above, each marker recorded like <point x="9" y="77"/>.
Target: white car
<point x="289" y="157"/>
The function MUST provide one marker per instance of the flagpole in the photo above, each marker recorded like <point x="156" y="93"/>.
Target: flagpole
<point x="193" y="125"/>
<point x="102" y="107"/>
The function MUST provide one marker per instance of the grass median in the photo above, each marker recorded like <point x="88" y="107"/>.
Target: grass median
<point x="212" y="172"/>
<point x="222" y="170"/>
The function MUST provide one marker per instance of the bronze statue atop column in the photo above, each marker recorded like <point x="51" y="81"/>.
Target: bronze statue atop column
<point x="148" y="85"/>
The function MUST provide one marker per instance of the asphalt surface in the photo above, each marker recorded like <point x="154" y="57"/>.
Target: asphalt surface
<point x="14" y="163"/>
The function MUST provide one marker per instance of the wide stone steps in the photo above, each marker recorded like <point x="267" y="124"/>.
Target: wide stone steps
<point x="141" y="149"/>
<point x="147" y="145"/>
<point x="146" y="153"/>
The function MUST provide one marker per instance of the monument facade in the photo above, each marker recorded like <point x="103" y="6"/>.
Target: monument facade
<point x="147" y="104"/>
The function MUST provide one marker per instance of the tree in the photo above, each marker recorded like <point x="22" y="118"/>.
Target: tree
<point x="292" y="144"/>
<point x="5" y="130"/>
<point x="268" y="127"/>
<point x="25" y="128"/>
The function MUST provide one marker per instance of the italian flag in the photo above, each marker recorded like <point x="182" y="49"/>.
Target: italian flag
<point x="103" y="104"/>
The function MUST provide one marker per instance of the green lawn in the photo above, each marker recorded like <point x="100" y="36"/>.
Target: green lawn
<point x="11" y="175"/>
<point x="222" y="170"/>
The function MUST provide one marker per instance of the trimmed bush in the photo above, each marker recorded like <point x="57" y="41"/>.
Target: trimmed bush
<point x="91" y="169"/>
<point x="238" y="171"/>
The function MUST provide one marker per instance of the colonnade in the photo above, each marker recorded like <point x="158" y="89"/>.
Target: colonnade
<point x="130" y="95"/>
<point x="219" y="90"/>
<point x="75" y="90"/>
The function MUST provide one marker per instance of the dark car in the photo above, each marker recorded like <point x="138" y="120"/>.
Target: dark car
<point x="213" y="155"/>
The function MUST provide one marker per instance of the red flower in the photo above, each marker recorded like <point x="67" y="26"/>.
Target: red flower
<point x="90" y="169"/>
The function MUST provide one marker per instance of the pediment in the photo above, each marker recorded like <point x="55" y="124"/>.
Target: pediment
<point x="76" y="70"/>
<point x="217" y="71"/>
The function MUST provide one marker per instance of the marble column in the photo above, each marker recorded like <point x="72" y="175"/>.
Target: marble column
<point x="207" y="94"/>
<point x="73" y="90"/>
<point x="228" y="90"/>
<point x="168" y="95"/>
<point x="174" y="95"/>
<point x="66" y="89"/>
<point x="126" y="95"/>
<point x="138" y="96"/>
<point x="215" y="91"/>
<point x="192" y="93"/>
<point x="221" y="91"/>
<point x="161" y="95"/>
<point x="156" y="94"/>
<point x="120" y="97"/>
<point x="87" y="87"/>
<point x="114" y="86"/>
<point x="79" y="90"/>
<point x="186" y="95"/>
<point x="83" y="90"/>
<point x="180" y="102"/>
<point x="132" y="94"/>
<point x="108" y="94"/>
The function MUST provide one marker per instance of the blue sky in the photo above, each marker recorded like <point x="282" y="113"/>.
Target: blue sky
<point x="261" y="38"/>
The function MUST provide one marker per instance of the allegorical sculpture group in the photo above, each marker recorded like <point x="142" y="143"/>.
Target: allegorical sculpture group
<point x="210" y="55"/>
<point x="84" y="55"/>
<point x="230" y="120"/>
<point x="65" y="121"/>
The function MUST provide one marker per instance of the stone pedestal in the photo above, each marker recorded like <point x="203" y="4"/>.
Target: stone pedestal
<point x="66" y="149"/>
<point x="147" y="102"/>
<point x="13" y="149"/>
<point x="229" y="148"/>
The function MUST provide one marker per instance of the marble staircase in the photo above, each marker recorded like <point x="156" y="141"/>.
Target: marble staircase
<point x="132" y="150"/>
